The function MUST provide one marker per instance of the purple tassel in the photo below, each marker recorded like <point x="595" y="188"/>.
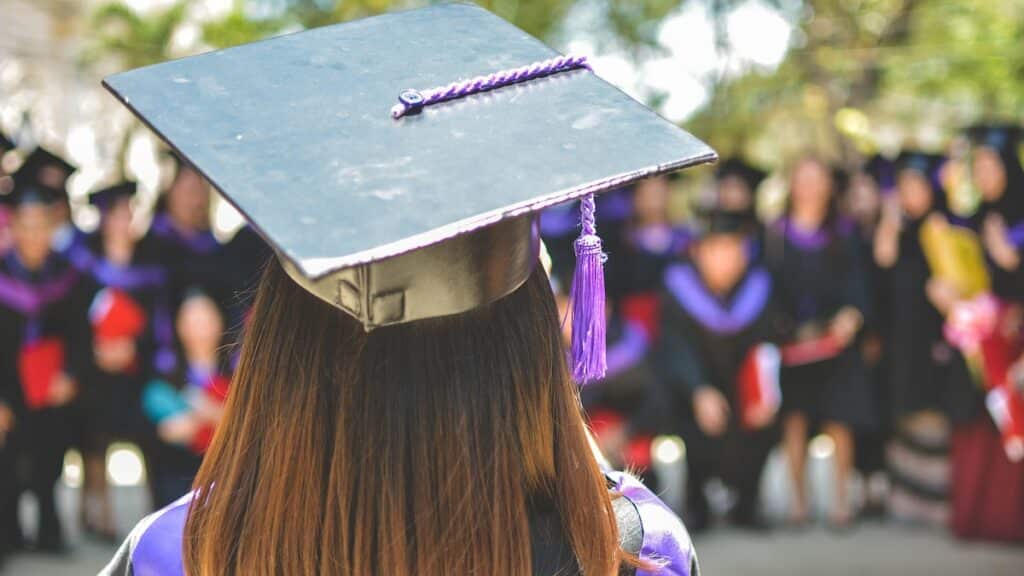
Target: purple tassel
<point x="588" y="322"/>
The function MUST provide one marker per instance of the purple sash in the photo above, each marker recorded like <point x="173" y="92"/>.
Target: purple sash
<point x="686" y="288"/>
<point x="30" y="298"/>
<point x="199" y="242"/>
<point x="666" y="543"/>
<point x="128" y="277"/>
<point x="628" y="350"/>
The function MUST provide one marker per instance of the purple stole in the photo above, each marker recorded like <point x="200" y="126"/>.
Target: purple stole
<point x="751" y="297"/>
<point x="666" y="543"/>
<point x="198" y="243"/>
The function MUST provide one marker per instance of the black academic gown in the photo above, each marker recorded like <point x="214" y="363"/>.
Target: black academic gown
<point x="112" y="400"/>
<point x="921" y="367"/>
<point x="816" y="275"/>
<point x="704" y="341"/>
<point x="192" y="261"/>
<point x="45" y="305"/>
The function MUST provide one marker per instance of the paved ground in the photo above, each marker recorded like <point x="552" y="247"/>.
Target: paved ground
<point x="870" y="549"/>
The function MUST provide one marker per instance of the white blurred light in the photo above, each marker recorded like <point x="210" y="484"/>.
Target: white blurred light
<point x="668" y="449"/>
<point x="124" y="465"/>
<point x="226" y="220"/>
<point x="73" y="469"/>
<point x="822" y="447"/>
<point x="758" y="34"/>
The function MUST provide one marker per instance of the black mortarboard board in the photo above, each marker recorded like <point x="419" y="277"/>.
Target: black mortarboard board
<point x="105" y="198"/>
<point x="27" y="192"/>
<point x="397" y="219"/>
<point x="883" y="171"/>
<point x="39" y="159"/>
<point x="1001" y="137"/>
<point x="5" y="143"/>
<point x="746" y="172"/>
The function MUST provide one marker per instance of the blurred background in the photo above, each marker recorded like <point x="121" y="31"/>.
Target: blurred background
<point x="856" y="85"/>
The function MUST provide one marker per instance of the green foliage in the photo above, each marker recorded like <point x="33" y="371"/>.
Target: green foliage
<point x="133" y="40"/>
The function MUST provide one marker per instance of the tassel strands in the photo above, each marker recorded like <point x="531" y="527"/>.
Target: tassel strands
<point x="589" y="361"/>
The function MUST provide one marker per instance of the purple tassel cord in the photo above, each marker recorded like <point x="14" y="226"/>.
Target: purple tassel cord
<point x="414" y="101"/>
<point x="589" y="361"/>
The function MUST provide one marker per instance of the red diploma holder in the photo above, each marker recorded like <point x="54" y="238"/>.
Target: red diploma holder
<point x="39" y="364"/>
<point x="810" y="351"/>
<point x="1006" y="407"/>
<point x="759" y="382"/>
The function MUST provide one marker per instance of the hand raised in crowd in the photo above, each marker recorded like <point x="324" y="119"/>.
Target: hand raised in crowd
<point x="761" y="415"/>
<point x="115" y="356"/>
<point x="179" y="430"/>
<point x="62" y="390"/>
<point x="942" y="294"/>
<point x="887" y="236"/>
<point x="997" y="243"/>
<point x="711" y="410"/>
<point x="6" y="422"/>
<point x="845" y="325"/>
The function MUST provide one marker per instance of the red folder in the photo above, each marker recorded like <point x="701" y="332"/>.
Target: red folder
<point x="759" y="382"/>
<point x="1007" y="410"/>
<point x="39" y="364"/>
<point x="810" y="351"/>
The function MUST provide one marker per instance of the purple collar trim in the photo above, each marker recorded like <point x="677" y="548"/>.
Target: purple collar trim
<point x="159" y="548"/>
<point x="685" y="285"/>
<point x="1016" y="235"/>
<point x="661" y="240"/>
<point x="127" y="277"/>
<point x="29" y="298"/>
<point x="811" y="240"/>
<point x="628" y="350"/>
<point x="199" y="242"/>
<point x="666" y="543"/>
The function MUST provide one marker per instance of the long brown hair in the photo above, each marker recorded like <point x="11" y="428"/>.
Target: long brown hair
<point x="412" y="449"/>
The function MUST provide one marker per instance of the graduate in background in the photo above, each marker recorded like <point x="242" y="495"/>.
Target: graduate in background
<point x="987" y="487"/>
<point x="53" y="172"/>
<point x="181" y="232"/>
<point x="132" y="341"/>
<point x="862" y="205"/>
<point x="182" y="409"/>
<point x="6" y="184"/>
<point x="719" y="370"/>
<point x="819" y="282"/>
<point x="921" y="366"/>
<point x="42" y="331"/>
<point x="651" y="243"/>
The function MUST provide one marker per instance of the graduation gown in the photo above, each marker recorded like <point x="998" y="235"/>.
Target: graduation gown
<point x="647" y="528"/>
<point x="816" y="274"/>
<point x="111" y="400"/>
<point x="42" y="332"/>
<point x="705" y="341"/>
<point x="192" y="261"/>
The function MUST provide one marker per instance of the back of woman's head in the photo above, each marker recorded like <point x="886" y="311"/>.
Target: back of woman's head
<point x="412" y="449"/>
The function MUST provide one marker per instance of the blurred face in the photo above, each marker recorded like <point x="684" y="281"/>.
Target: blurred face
<point x="52" y="176"/>
<point x="734" y="194"/>
<point x="200" y="327"/>
<point x="188" y="200"/>
<point x="32" y="232"/>
<point x="722" y="260"/>
<point x="117" y="220"/>
<point x="812" y="186"/>
<point x="989" y="174"/>
<point x="864" y="201"/>
<point x="915" y="193"/>
<point x="651" y="200"/>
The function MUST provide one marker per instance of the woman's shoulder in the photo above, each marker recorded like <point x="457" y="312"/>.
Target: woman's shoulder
<point x="154" y="545"/>
<point x="661" y="537"/>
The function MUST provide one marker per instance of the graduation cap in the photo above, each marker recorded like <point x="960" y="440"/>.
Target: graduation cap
<point x="25" y="193"/>
<point x="736" y="167"/>
<point x="397" y="164"/>
<point x="926" y="164"/>
<point x="1000" y="137"/>
<point x="5" y="143"/>
<point x="106" y="197"/>
<point x="882" y="171"/>
<point x="46" y="168"/>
